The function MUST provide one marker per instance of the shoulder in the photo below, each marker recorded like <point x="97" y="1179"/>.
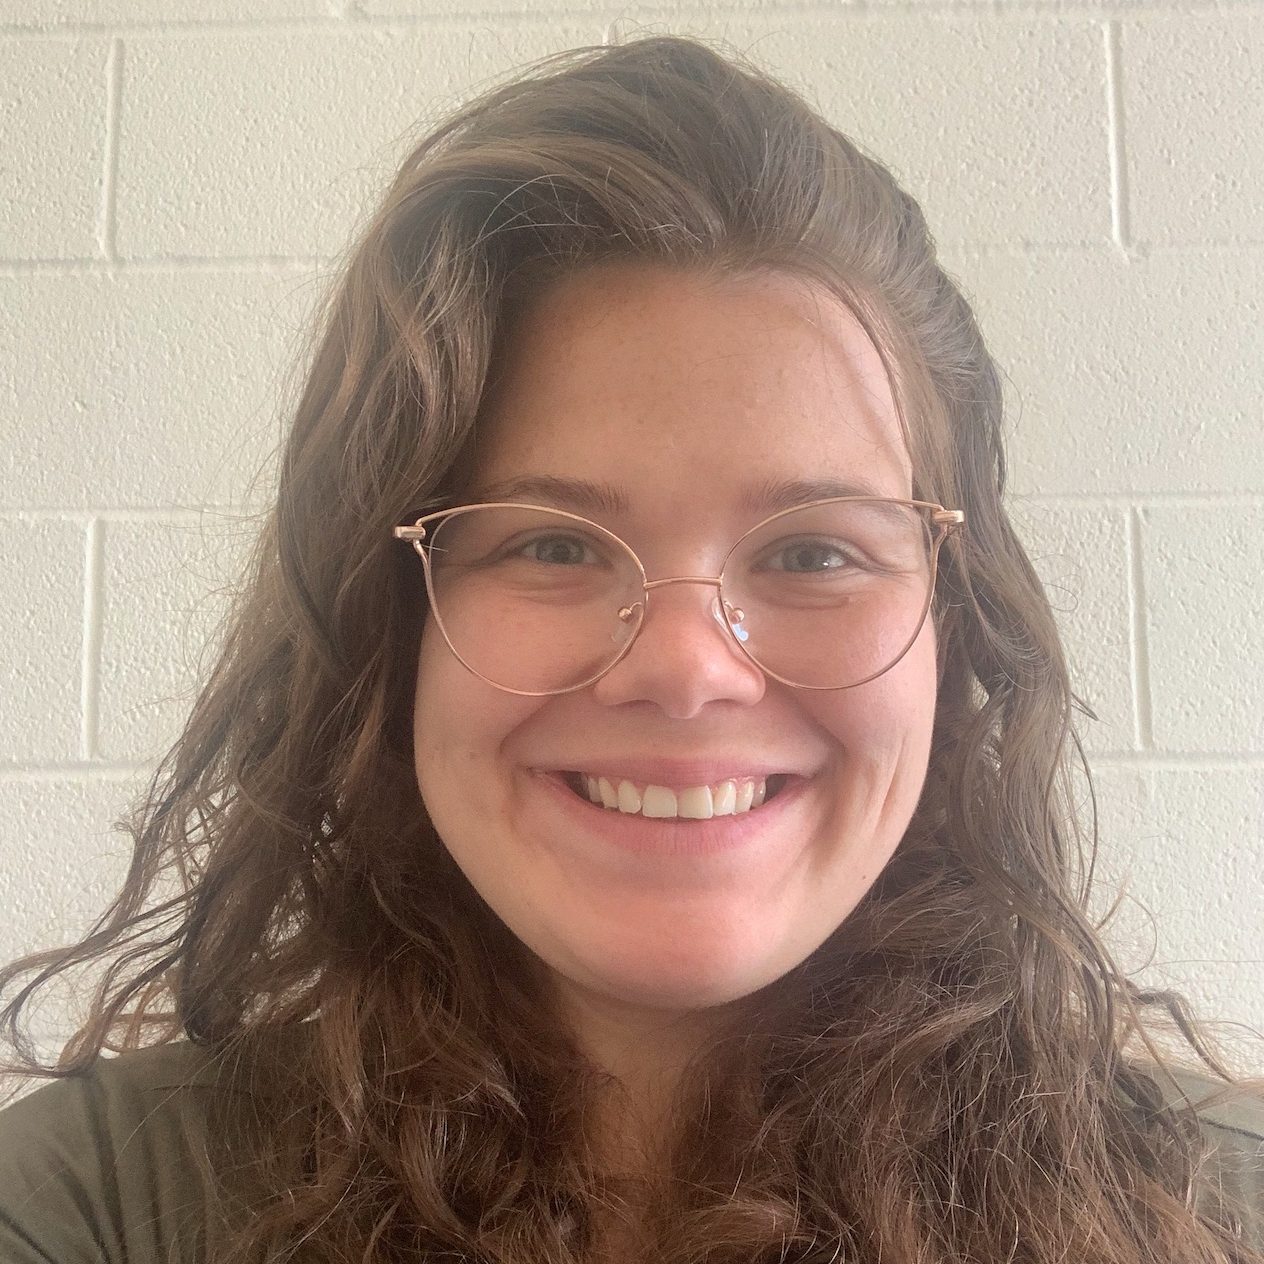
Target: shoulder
<point x="114" y="1163"/>
<point x="1233" y="1173"/>
<point x="1231" y="1177"/>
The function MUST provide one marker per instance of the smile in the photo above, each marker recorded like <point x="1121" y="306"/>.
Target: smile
<point x="729" y="797"/>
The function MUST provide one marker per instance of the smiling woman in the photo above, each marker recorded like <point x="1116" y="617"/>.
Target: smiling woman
<point x="630" y="819"/>
<point x="638" y="378"/>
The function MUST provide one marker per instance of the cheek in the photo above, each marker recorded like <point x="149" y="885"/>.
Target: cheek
<point x="882" y="738"/>
<point x="433" y="659"/>
<point x="447" y="724"/>
<point x="460" y="728"/>
<point x="889" y="717"/>
<point x="431" y="698"/>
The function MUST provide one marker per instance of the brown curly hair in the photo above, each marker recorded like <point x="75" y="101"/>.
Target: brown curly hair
<point x="945" y="1079"/>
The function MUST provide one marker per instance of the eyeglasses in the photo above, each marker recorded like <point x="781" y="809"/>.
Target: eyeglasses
<point x="539" y="601"/>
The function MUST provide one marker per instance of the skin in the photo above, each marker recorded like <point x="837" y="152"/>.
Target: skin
<point x="659" y="383"/>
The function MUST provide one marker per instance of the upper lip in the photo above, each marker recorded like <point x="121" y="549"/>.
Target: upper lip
<point x="694" y="771"/>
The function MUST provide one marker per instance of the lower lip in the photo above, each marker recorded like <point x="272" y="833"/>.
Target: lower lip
<point x="673" y="836"/>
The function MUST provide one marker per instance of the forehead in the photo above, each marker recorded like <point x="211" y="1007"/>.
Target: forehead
<point x="660" y="384"/>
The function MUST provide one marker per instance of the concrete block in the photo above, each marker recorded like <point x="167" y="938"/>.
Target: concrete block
<point x="1081" y="555"/>
<point x="170" y="398"/>
<point x="319" y="123"/>
<point x="167" y="586"/>
<point x="41" y="640"/>
<point x="61" y="860"/>
<point x="1187" y="841"/>
<point x="1120" y="792"/>
<point x="1122" y="377"/>
<point x="52" y="136"/>
<point x="1177" y="857"/>
<point x="1205" y="625"/>
<point x="61" y="863"/>
<point x="1193" y="92"/>
<point x="995" y="124"/>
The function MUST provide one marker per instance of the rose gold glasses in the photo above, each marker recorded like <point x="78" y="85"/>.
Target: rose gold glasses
<point x="540" y="601"/>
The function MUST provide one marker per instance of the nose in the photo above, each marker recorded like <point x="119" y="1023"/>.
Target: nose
<point x="683" y="657"/>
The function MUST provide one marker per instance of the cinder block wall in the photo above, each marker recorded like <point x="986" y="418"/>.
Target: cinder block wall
<point x="176" y="179"/>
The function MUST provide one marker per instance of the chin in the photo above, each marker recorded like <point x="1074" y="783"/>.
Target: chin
<point x="678" y="983"/>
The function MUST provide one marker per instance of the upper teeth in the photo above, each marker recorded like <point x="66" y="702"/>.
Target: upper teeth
<point x="697" y="803"/>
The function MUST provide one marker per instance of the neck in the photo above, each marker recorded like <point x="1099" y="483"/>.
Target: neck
<point x="644" y="1053"/>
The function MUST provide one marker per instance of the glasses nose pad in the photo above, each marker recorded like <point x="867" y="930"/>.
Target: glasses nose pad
<point x="629" y="620"/>
<point x="729" y="616"/>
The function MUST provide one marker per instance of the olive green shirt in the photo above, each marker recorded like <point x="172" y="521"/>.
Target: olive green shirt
<point x="105" y="1166"/>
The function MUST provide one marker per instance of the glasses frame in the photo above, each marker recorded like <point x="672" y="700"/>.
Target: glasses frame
<point x="942" y="521"/>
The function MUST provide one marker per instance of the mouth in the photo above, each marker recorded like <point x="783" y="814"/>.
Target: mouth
<point x="729" y="797"/>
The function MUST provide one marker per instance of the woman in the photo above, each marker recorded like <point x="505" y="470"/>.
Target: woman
<point x="640" y="755"/>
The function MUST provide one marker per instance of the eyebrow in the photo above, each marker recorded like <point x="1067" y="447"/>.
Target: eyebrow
<point x="570" y="493"/>
<point x="774" y="495"/>
<point x="584" y="497"/>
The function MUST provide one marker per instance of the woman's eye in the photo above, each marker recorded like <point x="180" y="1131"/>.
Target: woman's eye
<point x="809" y="557"/>
<point x="557" y="550"/>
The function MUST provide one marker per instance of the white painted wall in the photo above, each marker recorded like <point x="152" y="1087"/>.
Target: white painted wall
<point x="176" y="178"/>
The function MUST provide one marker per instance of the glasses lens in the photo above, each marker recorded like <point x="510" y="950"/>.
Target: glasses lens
<point x="830" y="595"/>
<point x="530" y="598"/>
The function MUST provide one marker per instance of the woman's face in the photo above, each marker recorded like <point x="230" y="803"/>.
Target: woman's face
<point x="685" y="399"/>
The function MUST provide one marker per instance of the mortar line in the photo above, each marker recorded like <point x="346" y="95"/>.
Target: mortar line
<point x="107" y="228"/>
<point x="75" y="770"/>
<point x="352" y="20"/>
<point x="655" y="10"/>
<point x="281" y="265"/>
<point x="1139" y="638"/>
<point x="326" y="265"/>
<point x="1169" y="762"/>
<point x="194" y="515"/>
<point x="1120" y="218"/>
<point x="1097" y="500"/>
<point x="92" y="613"/>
